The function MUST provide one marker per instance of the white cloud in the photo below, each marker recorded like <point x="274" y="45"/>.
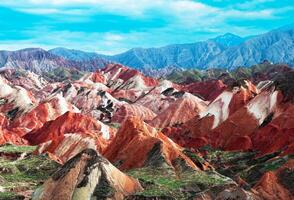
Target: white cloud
<point x="178" y="8"/>
<point x="113" y="37"/>
<point x="46" y="11"/>
<point x="184" y="18"/>
<point x="122" y="7"/>
<point x="252" y="3"/>
<point x="185" y="14"/>
<point x="106" y="43"/>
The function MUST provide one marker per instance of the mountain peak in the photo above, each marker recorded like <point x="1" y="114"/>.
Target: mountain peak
<point x="228" y="39"/>
<point x="76" y="55"/>
<point x="31" y="50"/>
<point x="287" y="27"/>
<point x="231" y="35"/>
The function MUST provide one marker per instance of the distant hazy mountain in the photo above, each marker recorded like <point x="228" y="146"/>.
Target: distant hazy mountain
<point x="76" y="55"/>
<point x="276" y="46"/>
<point x="194" y="55"/>
<point x="225" y="51"/>
<point x="39" y="60"/>
<point x="181" y="55"/>
<point x="33" y="59"/>
<point x="89" y="61"/>
<point x="228" y="40"/>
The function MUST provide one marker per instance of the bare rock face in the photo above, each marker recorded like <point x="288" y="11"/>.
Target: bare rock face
<point x="180" y="111"/>
<point x="209" y="90"/>
<point x="276" y="134"/>
<point x="237" y="193"/>
<point x="227" y="192"/>
<point x="26" y="79"/>
<point x="137" y="145"/>
<point x="240" y="119"/>
<point x="69" y="134"/>
<point x="122" y="77"/>
<point x="6" y="136"/>
<point x="278" y="184"/>
<point x="14" y="100"/>
<point x="47" y="110"/>
<point x="87" y="176"/>
<point x="131" y="110"/>
<point x="142" y="124"/>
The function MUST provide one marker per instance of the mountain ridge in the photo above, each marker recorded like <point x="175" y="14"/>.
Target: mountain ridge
<point x="224" y="51"/>
<point x="227" y="51"/>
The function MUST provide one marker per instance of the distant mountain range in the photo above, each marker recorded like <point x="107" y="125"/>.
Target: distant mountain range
<point x="39" y="60"/>
<point x="225" y="51"/>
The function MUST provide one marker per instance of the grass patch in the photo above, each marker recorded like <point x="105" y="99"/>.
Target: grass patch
<point x="163" y="183"/>
<point x="218" y="156"/>
<point x="24" y="174"/>
<point x="8" y="148"/>
<point x="9" y="196"/>
<point x="114" y="125"/>
<point x="30" y="170"/>
<point x="245" y="164"/>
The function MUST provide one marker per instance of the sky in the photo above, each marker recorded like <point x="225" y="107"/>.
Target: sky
<point x="114" y="26"/>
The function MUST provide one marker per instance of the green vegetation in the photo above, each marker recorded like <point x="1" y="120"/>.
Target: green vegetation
<point x="114" y="125"/>
<point x="22" y="174"/>
<point x="10" y="196"/>
<point x="285" y="83"/>
<point x="219" y="156"/>
<point x="165" y="183"/>
<point x="17" y="149"/>
<point x="254" y="73"/>
<point x="245" y="164"/>
<point x="62" y="74"/>
<point x="199" y="161"/>
<point x="185" y="76"/>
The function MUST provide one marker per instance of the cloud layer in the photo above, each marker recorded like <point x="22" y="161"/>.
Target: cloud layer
<point x="114" y="26"/>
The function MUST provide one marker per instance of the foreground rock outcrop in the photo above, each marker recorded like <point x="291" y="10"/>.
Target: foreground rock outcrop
<point x="87" y="176"/>
<point x="277" y="184"/>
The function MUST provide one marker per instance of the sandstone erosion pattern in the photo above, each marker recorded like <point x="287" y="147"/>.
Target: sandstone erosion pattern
<point x="118" y="134"/>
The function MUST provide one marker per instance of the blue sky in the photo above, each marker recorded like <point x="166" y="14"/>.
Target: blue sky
<point x="113" y="26"/>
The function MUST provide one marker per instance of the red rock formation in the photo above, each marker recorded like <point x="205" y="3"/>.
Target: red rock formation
<point x="180" y="111"/>
<point x="155" y="101"/>
<point x="70" y="133"/>
<point x="239" y="128"/>
<point x="94" y="77"/>
<point x="127" y="95"/>
<point x="97" y="77"/>
<point x="46" y="111"/>
<point x="26" y="79"/>
<point x="3" y="123"/>
<point x="130" y="78"/>
<point x="244" y="122"/>
<point x="231" y="130"/>
<point x="276" y="135"/>
<point x="274" y="185"/>
<point x="14" y="99"/>
<point x="132" y="110"/>
<point x="138" y="144"/>
<point x="7" y="136"/>
<point x="209" y="90"/>
<point x="87" y="176"/>
<point x="87" y="97"/>
<point x="242" y="96"/>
